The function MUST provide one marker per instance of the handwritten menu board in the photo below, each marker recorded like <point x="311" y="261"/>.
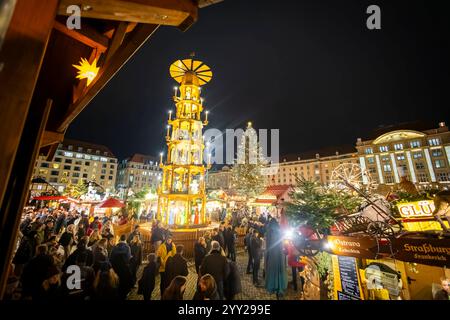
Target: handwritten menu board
<point x="349" y="279"/>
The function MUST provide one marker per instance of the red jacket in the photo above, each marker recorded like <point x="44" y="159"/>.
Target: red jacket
<point x="293" y="258"/>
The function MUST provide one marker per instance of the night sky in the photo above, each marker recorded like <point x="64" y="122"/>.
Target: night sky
<point x="310" y="68"/>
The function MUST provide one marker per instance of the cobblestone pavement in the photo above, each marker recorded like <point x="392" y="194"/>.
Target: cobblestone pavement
<point x="249" y="291"/>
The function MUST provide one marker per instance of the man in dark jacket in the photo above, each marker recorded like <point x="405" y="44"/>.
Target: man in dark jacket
<point x="120" y="261"/>
<point x="60" y="222"/>
<point x="256" y="250"/>
<point x="176" y="265"/>
<point x="247" y="243"/>
<point x="199" y="252"/>
<point x="216" y="265"/>
<point x="35" y="272"/>
<point x="135" y="232"/>
<point x="233" y="282"/>
<point x="82" y="247"/>
<point x="218" y="236"/>
<point x="230" y="243"/>
<point x="158" y="236"/>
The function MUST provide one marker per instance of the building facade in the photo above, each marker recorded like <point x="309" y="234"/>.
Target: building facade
<point x="138" y="172"/>
<point x="317" y="165"/>
<point x="220" y="179"/>
<point x="77" y="162"/>
<point x="423" y="157"/>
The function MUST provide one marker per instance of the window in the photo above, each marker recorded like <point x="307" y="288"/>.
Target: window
<point x="60" y="153"/>
<point x="102" y="177"/>
<point x="384" y="149"/>
<point x="385" y="158"/>
<point x="104" y="166"/>
<point x="78" y="162"/>
<point x="103" y="171"/>
<point x="75" y="175"/>
<point x="112" y="161"/>
<point x="443" y="176"/>
<point x="111" y="166"/>
<point x="70" y="147"/>
<point x="420" y="165"/>
<point x="57" y="159"/>
<point x="437" y="153"/>
<point x="87" y="163"/>
<point x="55" y="166"/>
<point x="417" y="155"/>
<point x="84" y="175"/>
<point x="398" y="146"/>
<point x="110" y="177"/>
<point x="77" y="168"/>
<point x="80" y="149"/>
<point x="103" y="159"/>
<point x="87" y="157"/>
<point x="97" y="151"/>
<point x="74" y="181"/>
<point x="401" y="157"/>
<point x="44" y="165"/>
<point x="403" y="167"/>
<point x="68" y="154"/>
<point x="422" y="177"/>
<point x="369" y="151"/>
<point x="54" y="173"/>
<point x="67" y="167"/>
<point x="415" y="144"/>
<point x="53" y="180"/>
<point x="89" y="150"/>
<point x="387" y="168"/>
<point x="95" y="158"/>
<point x="371" y="160"/>
<point x="68" y="161"/>
<point x="439" y="163"/>
<point x="372" y="170"/>
<point x="389" y="179"/>
<point x="434" y="142"/>
<point x="79" y="156"/>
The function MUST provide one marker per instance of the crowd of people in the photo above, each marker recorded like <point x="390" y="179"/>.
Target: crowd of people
<point x="65" y="254"/>
<point x="53" y="244"/>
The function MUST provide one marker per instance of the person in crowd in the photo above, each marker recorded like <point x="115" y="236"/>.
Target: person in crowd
<point x="94" y="237"/>
<point x="293" y="258"/>
<point x="100" y="253"/>
<point x="231" y="243"/>
<point x="208" y="240"/>
<point x="50" y="289"/>
<point x="166" y="250"/>
<point x="108" y="230"/>
<point x="40" y="232"/>
<point x="60" y="222"/>
<point x="199" y="252"/>
<point x="256" y="252"/>
<point x="86" y="281"/>
<point x="81" y="231"/>
<point x="96" y="225"/>
<point x="232" y="284"/>
<point x="106" y="284"/>
<point x="444" y="293"/>
<point x="82" y="247"/>
<point x="25" y="224"/>
<point x="120" y="260"/>
<point x="157" y="236"/>
<point x="84" y="221"/>
<point x="71" y="218"/>
<point x="66" y="240"/>
<point x="136" y="232"/>
<point x="136" y="255"/>
<point x="226" y="240"/>
<point x="25" y="252"/>
<point x="48" y="229"/>
<point x="206" y="289"/>
<point x="35" y="272"/>
<point x="176" y="265"/>
<point x="247" y="243"/>
<point x="123" y="220"/>
<point x="216" y="265"/>
<point x="175" y="290"/>
<point x="218" y="236"/>
<point x="146" y="284"/>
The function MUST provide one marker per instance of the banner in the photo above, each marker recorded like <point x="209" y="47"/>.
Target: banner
<point x="363" y="247"/>
<point x="434" y="252"/>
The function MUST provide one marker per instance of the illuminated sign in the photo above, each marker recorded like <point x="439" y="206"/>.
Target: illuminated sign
<point x="424" y="208"/>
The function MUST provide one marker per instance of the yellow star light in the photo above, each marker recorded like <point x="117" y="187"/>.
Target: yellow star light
<point x="86" y="70"/>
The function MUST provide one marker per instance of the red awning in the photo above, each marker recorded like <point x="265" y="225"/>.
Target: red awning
<point x="111" y="203"/>
<point x="50" y="198"/>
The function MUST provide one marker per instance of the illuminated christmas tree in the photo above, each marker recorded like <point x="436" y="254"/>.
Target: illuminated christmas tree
<point x="247" y="175"/>
<point x="181" y="195"/>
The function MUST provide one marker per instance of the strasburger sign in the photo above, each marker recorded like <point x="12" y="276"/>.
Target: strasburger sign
<point x="435" y="252"/>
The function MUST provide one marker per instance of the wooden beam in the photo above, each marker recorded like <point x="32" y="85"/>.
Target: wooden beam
<point x="51" y="137"/>
<point x="116" y="41"/>
<point x="130" y="27"/>
<point x="86" y="35"/>
<point x="161" y="12"/>
<point x="134" y="41"/>
<point x="22" y="54"/>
